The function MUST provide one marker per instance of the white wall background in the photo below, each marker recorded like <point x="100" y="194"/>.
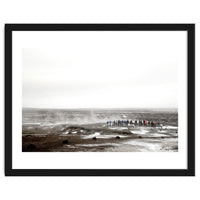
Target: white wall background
<point x="104" y="11"/>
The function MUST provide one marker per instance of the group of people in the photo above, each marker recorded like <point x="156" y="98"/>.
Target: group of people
<point x="132" y="122"/>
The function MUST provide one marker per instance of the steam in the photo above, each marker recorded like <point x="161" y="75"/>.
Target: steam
<point x="62" y="116"/>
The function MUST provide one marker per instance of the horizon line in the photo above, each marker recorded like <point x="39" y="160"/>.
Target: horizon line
<point x="102" y="108"/>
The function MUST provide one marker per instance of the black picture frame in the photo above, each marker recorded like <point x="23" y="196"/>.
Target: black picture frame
<point x="190" y="28"/>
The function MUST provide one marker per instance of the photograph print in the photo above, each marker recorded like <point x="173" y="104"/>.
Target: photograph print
<point x="102" y="91"/>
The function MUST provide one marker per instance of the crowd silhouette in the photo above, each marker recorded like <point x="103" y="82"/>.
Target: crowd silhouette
<point x="132" y="123"/>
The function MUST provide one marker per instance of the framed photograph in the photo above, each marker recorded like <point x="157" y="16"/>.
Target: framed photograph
<point x="99" y="100"/>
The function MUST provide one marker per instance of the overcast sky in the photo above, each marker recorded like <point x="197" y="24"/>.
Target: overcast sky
<point x="103" y="70"/>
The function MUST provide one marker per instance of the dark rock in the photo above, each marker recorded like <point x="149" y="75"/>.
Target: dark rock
<point x="162" y="137"/>
<point x="140" y="136"/>
<point x="126" y="133"/>
<point x="175" y="147"/>
<point x="94" y="138"/>
<point x="117" y="137"/>
<point x="65" y="142"/>
<point x="31" y="147"/>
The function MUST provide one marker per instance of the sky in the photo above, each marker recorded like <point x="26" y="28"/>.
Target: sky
<point x="118" y="69"/>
